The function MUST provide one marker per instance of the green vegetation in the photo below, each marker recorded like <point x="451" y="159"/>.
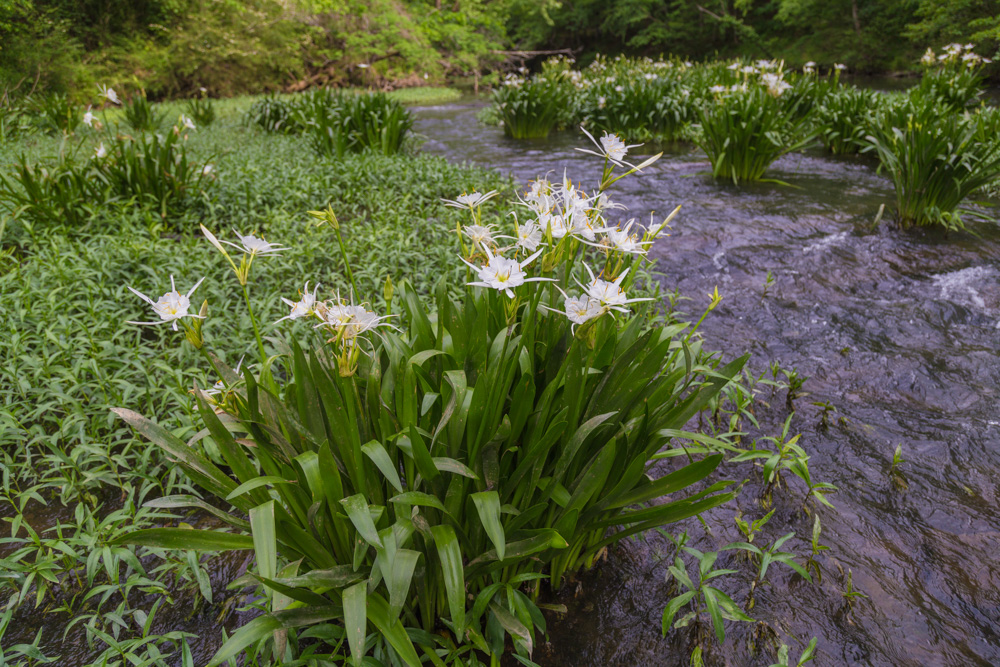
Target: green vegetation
<point x="171" y="48"/>
<point x="448" y="490"/>
<point x="937" y="142"/>
<point x="746" y="131"/>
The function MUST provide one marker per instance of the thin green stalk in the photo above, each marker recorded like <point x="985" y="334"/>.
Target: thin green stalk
<point x="253" y="321"/>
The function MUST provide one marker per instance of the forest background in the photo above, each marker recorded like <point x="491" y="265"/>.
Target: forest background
<point x="173" y="48"/>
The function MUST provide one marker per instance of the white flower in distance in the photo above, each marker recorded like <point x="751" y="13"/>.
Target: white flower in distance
<point x="186" y="123"/>
<point x="609" y="295"/>
<point x="928" y="57"/>
<point x="100" y="151"/>
<point x="207" y="169"/>
<point x="88" y="118"/>
<point x="479" y="234"/>
<point x="171" y="307"/>
<point x="304" y="307"/>
<point x="109" y="94"/>
<point x="503" y="274"/>
<point x="471" y="200"/>
<point x="717" y="90"/>
<point x="252" y="245"/>
<point x="774" y="83"/>
<point x="612" y="148"/>
<point x="840" y="67"/>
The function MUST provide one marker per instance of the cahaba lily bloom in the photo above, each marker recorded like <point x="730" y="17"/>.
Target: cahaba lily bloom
<point x="171" y="307"/>
<point x="304" y="307"/>
<point x="470" y="200"/>
<point x="252" y="245"/>
<point x="609" y="294"/>
<point x="611" y="147"/>
<point x="503" y="274"/>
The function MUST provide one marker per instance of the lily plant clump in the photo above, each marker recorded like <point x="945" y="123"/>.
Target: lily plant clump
<point x="108" y="166"/>
<point x="410" y="476"/>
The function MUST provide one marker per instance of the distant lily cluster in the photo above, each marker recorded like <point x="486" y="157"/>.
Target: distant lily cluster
<point x="954" y="54"/>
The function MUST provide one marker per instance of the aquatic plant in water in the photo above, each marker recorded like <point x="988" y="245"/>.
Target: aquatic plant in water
<point x="412" y="472"/>
<point x="746" y="130"/>
<point x="935" y="161"/>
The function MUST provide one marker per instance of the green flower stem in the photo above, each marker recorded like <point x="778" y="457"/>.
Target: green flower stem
<point x="253" y="321"/>
<point x="347" y="263"/>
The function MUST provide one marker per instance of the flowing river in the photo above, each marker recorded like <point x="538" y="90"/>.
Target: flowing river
<point x="896" y="330"/>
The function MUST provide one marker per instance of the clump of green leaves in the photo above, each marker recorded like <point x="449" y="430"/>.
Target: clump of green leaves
<point x="56" y="114"/>
<point x="935" y="159"/>
<point x="201" y="110"/>
<point x="529" y="108"/>
<point x="703" y="597"/>
<point x="843" y="119"/>
<point x="153" y="170"/>
<point x="745" y="131"/>
<point x="140" y="114"/>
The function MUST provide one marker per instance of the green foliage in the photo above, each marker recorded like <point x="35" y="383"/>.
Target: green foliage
<point x="56" y="114"/>
<point x="432" y="474"/>
<point x="336" y="122"/>
<point x="702" y="597"/>
<point x="201" y="110"/>
<point x="844" y="117"/>
<point x="746" y="131"/>
<point x="529" y="109"/>
<point x="936" y="160"/>
<point x="150" y="170"/>
<point x="65" y="467"/>
<point x="140" y="115"/>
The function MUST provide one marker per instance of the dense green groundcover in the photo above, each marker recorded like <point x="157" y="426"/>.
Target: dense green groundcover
<point x="67" y="355"/>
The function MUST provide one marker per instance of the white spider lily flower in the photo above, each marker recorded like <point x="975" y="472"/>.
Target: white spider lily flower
<point x="100" y="152"/>
<point x="749" y="69"/>
<point x="602" y="101"/>
<point x="624" y="240"/>
<point x="254" y="246"/>
<point x="171" y="307"/>
<point x="109" y="94"/>
<point x="304" y="307"/>
<point x="471" y="200"/>
<point x="774" y="83"/>
<point x="717" y="90"/>
<point x="88" y="118"/>
<point x="186" y="122"/>
<point x="503" y="274"/>
<point x="479" y="234"/>
<point x="612" y="148"/>
<point x="586" y="228"/>
<point x="207" y="169"/>
<point x="580" y="310"/>
<point x="840" y="67"/>
<point x="529" y="236"/>
<point x="928" y="58"/>
<point x="609" y="295"/>
<point x="733" y="67"/>
<point x="554" y="224"/>
<point x="350" y="321"/>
